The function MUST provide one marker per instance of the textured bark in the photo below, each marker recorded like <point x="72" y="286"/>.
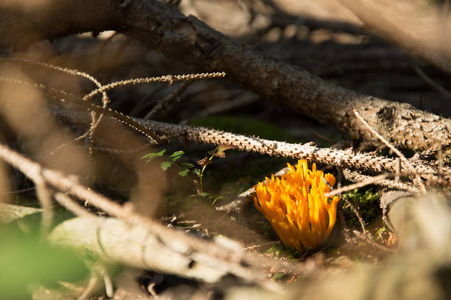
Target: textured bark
<point x="202" y="135"/>
<point x="192" y="41"/>
<point x="161" y="26"/>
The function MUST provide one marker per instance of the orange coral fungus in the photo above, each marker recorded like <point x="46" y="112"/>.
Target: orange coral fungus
<point x="296" y="207"/>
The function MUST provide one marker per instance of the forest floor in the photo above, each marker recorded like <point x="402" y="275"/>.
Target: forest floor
<point x="323" y="38"/>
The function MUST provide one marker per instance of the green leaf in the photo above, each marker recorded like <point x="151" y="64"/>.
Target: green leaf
<point x="216" y="199"/>
<point x="166" y="165"/>
<point x="278" y="276"/>
<point x="24" y="257"/>
<point x="186" y="165"/>
<point x="153" y="155"/>
<point x="197" y="172"/>
<point x="176" y="155"/>
<point x="184" y="172"/>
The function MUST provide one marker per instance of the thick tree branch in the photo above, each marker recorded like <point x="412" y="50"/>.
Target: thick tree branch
<point x="188" y="39"/>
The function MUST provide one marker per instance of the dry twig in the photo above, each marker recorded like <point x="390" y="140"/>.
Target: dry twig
<point x="356" y="176"/>
<point x="407" y="164"/>
<point x="360" y="184"/>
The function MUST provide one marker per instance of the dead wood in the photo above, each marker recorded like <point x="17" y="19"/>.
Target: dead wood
<point x="201" y="135"/>
<point x="129" y="238"/>
<point x="195" y="258"/>
<point x="117" y="242"/>
<point x="188" y="39"/>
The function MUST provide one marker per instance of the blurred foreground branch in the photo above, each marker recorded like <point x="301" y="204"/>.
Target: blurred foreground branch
<point x="178" y="253"/>
<point x="430" y="49"/>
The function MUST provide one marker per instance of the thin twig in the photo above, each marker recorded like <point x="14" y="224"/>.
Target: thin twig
<point x="370" y="242"/>
<point x="356" y="176"/>
<point x="372" y="180"/>
<point x="167" y="78"/>
<point x="356" y="212"/>
<point x="124" y="119"/>
<point x="45" y="198"/>
<point x="431" y="82"/>
<point x="401" y="156"/>
<point x="22" y="190"/>
<point x="71" y="205"/>
<point x="72" y="72"/>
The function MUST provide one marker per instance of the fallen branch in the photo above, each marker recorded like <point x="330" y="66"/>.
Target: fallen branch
<point x="187" y="39"/>
<point x="119" y="242"/>
<point x="341" y="158"/>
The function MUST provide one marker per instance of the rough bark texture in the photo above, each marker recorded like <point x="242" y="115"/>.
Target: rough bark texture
<point x="202" y="135"/>
<point x="161" y="26"/>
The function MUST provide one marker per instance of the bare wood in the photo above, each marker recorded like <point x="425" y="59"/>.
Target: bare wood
<point x="132" y="245"/>
<point x="188" y="39"/>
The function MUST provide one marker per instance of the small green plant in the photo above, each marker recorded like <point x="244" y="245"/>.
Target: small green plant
<point x="187" y="168"/>
<point x="275" y="249"/>
<point x="204" y="162"/>
<point x="170" y="160"/>
<point x="278" y="276"/>
<point x="380" y="232"/>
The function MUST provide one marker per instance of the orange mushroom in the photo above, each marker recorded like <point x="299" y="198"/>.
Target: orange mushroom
<point x="296" y="207"/>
